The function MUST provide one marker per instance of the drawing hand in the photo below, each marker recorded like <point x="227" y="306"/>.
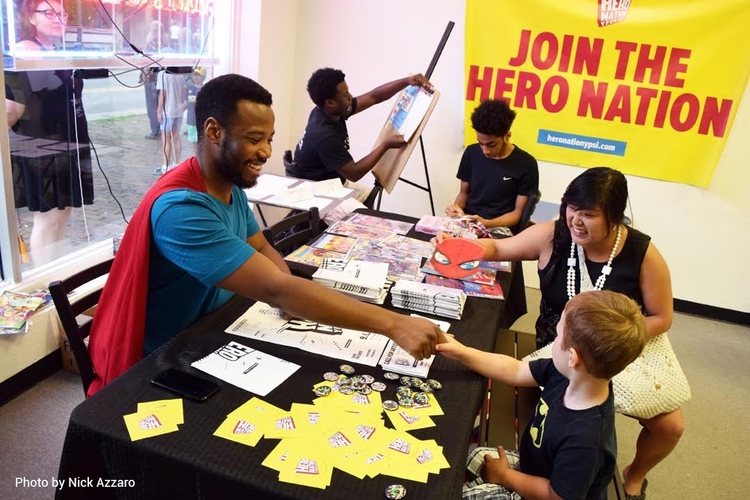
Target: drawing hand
<point x="395" y="140"/>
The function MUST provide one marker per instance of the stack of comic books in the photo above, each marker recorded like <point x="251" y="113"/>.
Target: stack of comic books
<point x="15" y="310"/>
<point x="471" y="289"/>
<point x="431" y="299"/>
<point x="365" y="281"/>
<point x="480" y="284"/>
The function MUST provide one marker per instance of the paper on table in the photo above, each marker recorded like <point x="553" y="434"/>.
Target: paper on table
<point x="331" y="188"/>
<point x="247" y="368"/>
<point x="297" y="193"/>
<point x="315" y="201"/>
<point x="269" y="185"/>
<point x="263" y="322"/>
<point x="397" y="360"/>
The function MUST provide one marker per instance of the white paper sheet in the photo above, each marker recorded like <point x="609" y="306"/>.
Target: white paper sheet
<point x="307" y="204"/>
<point x="263" y="322"/>
<point x="269" y="185"/>
<point x="331" y="188"/>
<point x="247" y="368"/>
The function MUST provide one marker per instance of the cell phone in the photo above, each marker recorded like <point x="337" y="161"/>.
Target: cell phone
<point x="185" y="384"/>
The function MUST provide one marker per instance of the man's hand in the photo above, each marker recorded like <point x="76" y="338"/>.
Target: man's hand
<point x="159" y="116"/>
<point x="420" y="80"/>
<point x="394" y="140"/>
<point x="451" y="348"/>
<point x="417" y="336"/>
<point x="453" y="211"/>
<point x="479" y="219"/>
<point x="495" y="468"/>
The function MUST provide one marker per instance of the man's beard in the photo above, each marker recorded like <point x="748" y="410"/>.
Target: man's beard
<point x="232" y="168"/>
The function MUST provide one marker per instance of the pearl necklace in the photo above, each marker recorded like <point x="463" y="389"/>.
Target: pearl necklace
<point x="585" y="278"/>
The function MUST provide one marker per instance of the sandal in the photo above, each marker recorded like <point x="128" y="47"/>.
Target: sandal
<point x="642" y="495"/>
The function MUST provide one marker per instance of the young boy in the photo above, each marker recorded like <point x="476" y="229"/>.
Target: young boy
<point x="569" y="448"/>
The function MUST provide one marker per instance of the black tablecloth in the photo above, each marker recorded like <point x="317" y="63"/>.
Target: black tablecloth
<point x="192" y="463"/>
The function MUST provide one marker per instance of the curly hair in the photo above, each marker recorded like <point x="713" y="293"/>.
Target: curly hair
<point x="322" y="85"/>
<point x="493" y="117"/>
<point x="219" y="97"/>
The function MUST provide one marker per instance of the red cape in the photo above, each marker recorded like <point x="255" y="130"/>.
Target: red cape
<point x="116" y="341"/>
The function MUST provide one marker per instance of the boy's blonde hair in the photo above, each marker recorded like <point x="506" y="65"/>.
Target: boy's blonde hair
<point x="607" y="329"/>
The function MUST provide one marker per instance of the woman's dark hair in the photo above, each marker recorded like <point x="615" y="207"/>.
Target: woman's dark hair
<point x="219" y="97"/>
<point x="599" y="187"/>
<point x="322" y="85"/>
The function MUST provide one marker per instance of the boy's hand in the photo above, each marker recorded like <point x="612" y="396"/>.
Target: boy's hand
<point x="451" y="348"/>
<point x="453" y="211"/>
<point x="495" y="468"/>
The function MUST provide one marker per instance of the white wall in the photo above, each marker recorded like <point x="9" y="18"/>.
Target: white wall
<point x="702" y="233"/>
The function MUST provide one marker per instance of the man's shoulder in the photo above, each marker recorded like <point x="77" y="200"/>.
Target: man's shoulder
<point x="523" y="155"/>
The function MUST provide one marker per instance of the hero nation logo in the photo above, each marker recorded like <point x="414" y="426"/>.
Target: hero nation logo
<point x="612" y="11"/>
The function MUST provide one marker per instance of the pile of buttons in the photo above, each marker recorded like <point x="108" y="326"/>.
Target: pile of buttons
<point x="412" y="392"/>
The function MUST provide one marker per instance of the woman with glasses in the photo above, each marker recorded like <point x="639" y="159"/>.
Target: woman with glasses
<point x="51" y="180"/>
<point x="42" y="24"/>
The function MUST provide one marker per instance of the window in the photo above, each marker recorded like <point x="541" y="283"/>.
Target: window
<point x="86" y="145"/>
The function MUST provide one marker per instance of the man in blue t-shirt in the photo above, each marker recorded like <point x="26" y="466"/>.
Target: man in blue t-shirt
<point x="207" y="246"/>
<point x="568" y="449"/>
<point x="323" y="151"/>
<point x="497" y="177"/>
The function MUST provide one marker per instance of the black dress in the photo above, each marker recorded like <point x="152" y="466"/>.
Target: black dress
<point x="625" y="278"/>
<point x="50" y="149"/>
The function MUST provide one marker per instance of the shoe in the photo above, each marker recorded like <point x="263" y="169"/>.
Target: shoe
<point x="149" y="136"/>
<point x="642" y="496"/>
<point x="159" y="171"/>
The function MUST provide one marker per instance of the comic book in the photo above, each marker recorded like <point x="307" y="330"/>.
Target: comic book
<point x="471" y="289"/>
<point x="15" y="310"/>
<point x="484" y="275"/>
<point x="310" y="255"/>
<point x="394" y="226"/>
<point x="370" y="233"/>
<point x="408" y="245"/>
<point x="335" y="243"/>
<point x="401" y="265"/>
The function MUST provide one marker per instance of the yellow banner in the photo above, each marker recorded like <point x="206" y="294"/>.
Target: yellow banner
<point x="648" y="87"/>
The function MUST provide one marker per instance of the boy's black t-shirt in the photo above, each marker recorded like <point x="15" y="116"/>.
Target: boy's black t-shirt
<point x="324" y="147"/>
<point x="575" y="449"/>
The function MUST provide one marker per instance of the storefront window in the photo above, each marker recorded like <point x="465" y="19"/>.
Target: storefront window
<point x="85" y="144"/>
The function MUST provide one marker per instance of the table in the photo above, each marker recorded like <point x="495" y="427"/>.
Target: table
<point x="192" y="463"/>
<point x="269" y="188"/>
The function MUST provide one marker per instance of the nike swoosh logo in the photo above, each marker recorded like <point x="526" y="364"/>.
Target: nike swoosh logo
<point x="507" y="178"/>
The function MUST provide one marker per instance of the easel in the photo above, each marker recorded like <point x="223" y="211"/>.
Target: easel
<point x="428" y="74"/>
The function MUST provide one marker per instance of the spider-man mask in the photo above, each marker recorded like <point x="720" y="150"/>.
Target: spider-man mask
<point x="457" y="257"/>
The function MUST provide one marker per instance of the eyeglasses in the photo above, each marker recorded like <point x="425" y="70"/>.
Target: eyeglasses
<point x="51" y="14"/>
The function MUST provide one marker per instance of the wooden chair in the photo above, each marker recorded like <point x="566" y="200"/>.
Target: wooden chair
<point x="292" y="232"/>
<point x="68" y="314"/>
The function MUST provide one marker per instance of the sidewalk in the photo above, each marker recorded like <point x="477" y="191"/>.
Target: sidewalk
<point x="127" y="158"/>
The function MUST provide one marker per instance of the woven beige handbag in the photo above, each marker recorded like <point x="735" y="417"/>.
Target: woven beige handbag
<point x="651" y="385"/>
